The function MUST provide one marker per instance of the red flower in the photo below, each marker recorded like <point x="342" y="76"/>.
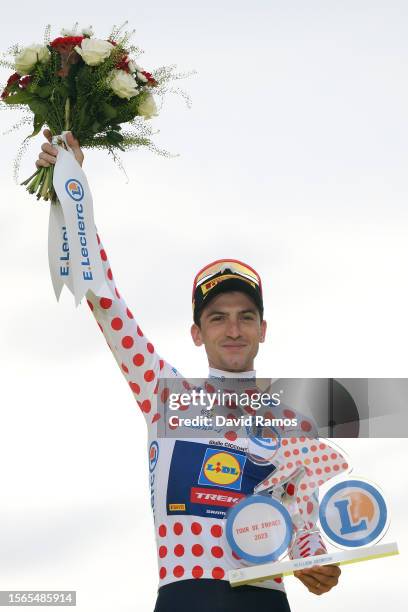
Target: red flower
<point x="13" y="78"/>
<point x="64" y="41"/>
<point x="123" y="64"/>
<point x="149" y="77"/>
<point x="25" y="81"/>
<point x="65" y="47"/>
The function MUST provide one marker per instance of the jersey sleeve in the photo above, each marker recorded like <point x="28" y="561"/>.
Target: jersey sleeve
<point x="135" y="355"/>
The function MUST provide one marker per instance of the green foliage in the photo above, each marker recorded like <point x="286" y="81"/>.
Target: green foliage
<point x="72" y="95"/>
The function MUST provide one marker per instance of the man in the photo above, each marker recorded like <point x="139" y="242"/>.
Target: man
<point x="193" y="555"/>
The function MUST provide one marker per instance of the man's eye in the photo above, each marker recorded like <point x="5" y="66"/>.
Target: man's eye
<point x="216" y="318"/>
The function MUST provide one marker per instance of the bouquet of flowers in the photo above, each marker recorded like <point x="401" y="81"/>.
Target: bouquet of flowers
<point x="92" y="87"/>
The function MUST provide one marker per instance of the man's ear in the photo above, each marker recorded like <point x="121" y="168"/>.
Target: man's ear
<point x="196" y="335"/>
<point x="263" y="331"/>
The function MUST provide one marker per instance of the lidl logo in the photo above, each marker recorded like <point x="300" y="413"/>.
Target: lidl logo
<point x="153" y="455"/>
<point x="353" y="513"/>
<point x="222" y="468"/>
<point x="74" y="189"/>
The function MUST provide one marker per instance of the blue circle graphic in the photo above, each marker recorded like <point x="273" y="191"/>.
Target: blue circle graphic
<point x="153" y="462"/>
<point x="258" y="499"/>
<point x="258" y="439"/>
<point x="368" y="488"/>
<point x="74" y="189"/>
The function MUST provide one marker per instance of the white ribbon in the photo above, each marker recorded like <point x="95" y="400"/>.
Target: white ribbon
<point x="73" y="252"/>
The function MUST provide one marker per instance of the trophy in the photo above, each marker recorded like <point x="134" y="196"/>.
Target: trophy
<point x="281" y="516"/>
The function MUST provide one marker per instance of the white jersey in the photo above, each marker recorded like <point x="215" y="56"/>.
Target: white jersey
<point x="188" y="507"/>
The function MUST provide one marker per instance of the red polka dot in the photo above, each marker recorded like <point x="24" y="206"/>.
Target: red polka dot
<point x="217" y="551"/>
<point x="327" y="469"/>
<point x="305" y="426"/>
<point x="293" y="440"/>
<point x="287" y="453"/>
<point x="196" y="528"/>
<point x="336" y="467"/>
<point x="164" y="396"/>
<point x="289" y="465"/>
<point x="324" y="457"/>
<point x="156" y="417"/>
<point x="138" y="359"/>
<point x="161" y="364"/>
<point x="197" y="550"/>
<point x="322" y="446"/>
<point x="289" y="414"/>
<point x="145" y="406"/>
<point x="284" y="442"/>
<point x="127" y="342"/>
<point x="318" y="471"/>
<point x="125" y="368"/>
<point x="150" y="347"/>
<point x="162" y="531"/>
<point x="129" y="314"/>
<point x="149" y="375"/>
<point x="316" y="459"/>
<point x="218" y="573"/>
<point x="209" y="388"/>
<point x="295" y="451"/>
<point x="162" y="551"/>
<point x="117" y="293"/>
<point x="333" y="456"/>
<point x="109" y="274"/>
<point x="313" y="448"/>
<point x="344" y="466"/>
<point x="179" y="550"/>
<point x="90" y="304"/>
<point x="197" y="571"/>
<point x="290" y="489"/>
<point x="216" y="531"/>
<point x="231" y="436"/>
<point x="178" y="528"/>
<point x="135" y="387"/>
<point x="105" y="303"/>
<point x="103" y="255"/>
<point x="162" y="573"/>
<point x="139" y="331"/>
<point x="117" y="323"/>
<point x="309" y="507"/>
<point x="178" y="571"/>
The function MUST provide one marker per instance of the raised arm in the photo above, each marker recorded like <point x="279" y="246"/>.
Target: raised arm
<point x="135" y="355"/>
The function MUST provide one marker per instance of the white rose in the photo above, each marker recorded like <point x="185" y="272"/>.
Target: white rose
<point x="123" y="84"/>
<point x="94" y="51"/>
<point x="26" y="60"/>
<point x="148" y="107"/>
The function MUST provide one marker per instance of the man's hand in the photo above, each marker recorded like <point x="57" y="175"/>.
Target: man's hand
<point x="320" y="578"/>
<point x="48" y="156"/>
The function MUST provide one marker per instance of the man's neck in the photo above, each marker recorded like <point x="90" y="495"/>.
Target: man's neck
<point x="214" y="373"/>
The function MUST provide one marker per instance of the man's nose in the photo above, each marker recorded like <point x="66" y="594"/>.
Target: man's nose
<point x="233" y="329"/>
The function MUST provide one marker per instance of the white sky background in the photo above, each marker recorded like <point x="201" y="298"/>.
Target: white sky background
<point x="293" y="158"/>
